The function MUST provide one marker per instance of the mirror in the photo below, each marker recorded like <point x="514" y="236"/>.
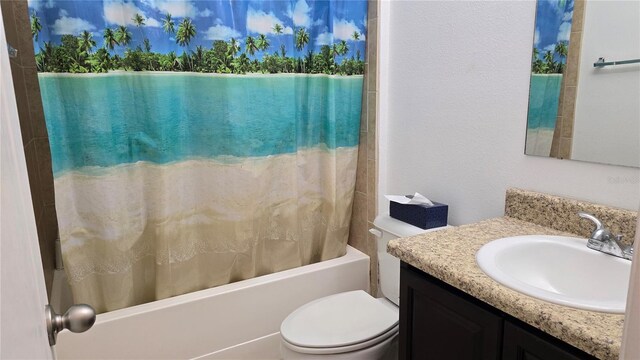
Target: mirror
<point x="584" y="98"/>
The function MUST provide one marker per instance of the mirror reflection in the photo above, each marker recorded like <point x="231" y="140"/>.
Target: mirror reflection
<point x="584" y="101"/>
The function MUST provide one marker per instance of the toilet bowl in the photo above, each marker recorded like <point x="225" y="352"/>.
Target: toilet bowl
<point x="353" y="324"/>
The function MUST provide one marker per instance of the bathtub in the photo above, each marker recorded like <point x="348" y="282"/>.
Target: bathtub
<point x="235" y="321"/>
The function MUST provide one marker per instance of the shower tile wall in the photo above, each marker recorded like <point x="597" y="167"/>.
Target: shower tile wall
<point x="34" y="130"/>
<point x="563" y="134"/>
<point x="364" y="204"/>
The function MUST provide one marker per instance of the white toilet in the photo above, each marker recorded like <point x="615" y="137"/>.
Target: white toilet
<point x="352" y="325"/>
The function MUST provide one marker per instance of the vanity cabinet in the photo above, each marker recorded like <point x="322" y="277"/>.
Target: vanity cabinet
<point x="438" y="324"/>
<point x="438" y="321"/>
<point x="521" y="344"/>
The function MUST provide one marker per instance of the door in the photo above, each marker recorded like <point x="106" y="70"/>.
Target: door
<point x="23" y="295"/>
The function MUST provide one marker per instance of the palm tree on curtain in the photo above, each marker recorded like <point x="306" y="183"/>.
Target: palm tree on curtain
<point x="234" y="47"/>
<point x="277" y="29"/>
<point x="44" y="56"/>
<point x="355" y="36"/>
<point x="537" y="66"/>
<point x="250" y="46"/>
<point x="308" y="62"/>
<point x="170" y="62"/>
<point x="101" y="61"/>
<point x="123" y="35"/>
<point x="342" y="49"/>
<point x="302" y="39"/>
<point x="561" y="50"/>
<point x="198" y="58"/>
<point x="124" y="39"/>
<point x="550" y="63"/>
<point x="146" y="45"/>
<point x="110" y="39"/>
<point x="186" y="32"/>
<point x="147" y="48"/>
<point x="262" y="43"/>
<point x="335" y="51"/>
<point x="168" y="25"/>
<point x="241" y="64"/>
<point x="138" y="21"/>
<point x="36" y="27"/>
<point x="86" y="42"/>
<point x="233" y="50"/>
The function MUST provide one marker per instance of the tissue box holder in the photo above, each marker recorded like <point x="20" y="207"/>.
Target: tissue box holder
<point x="422" y="216"/>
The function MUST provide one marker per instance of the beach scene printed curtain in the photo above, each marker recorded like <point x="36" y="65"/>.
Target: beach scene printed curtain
<point x="548" y="63"/>
<point x="198" y="143"/>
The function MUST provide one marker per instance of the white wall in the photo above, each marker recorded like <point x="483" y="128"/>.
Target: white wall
<point x="454" y="89"/>
<point x="607" y="127"/>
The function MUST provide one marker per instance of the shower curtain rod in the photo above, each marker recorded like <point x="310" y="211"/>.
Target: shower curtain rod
<point x="601" y="62"/>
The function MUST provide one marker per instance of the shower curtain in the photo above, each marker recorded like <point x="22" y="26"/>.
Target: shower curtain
<point x="197" y="143"/>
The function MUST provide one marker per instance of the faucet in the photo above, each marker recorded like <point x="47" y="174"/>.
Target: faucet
<point x="604" y="241"/>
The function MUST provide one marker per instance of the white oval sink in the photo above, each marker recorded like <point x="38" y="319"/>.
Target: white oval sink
<point x="558" y="269"/>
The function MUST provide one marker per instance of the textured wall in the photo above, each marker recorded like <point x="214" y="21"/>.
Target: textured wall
<point x="563" y="134"/>
<point x="364" y="205"/>
<point x="34" y="130"/>
<point x="457" y="109"/>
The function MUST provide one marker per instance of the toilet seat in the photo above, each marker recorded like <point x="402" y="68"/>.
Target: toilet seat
<point x="339" y="323"/>
<point x="343" y="349"/>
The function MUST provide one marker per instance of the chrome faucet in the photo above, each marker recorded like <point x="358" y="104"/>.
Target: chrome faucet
<point x="604" y="241"/>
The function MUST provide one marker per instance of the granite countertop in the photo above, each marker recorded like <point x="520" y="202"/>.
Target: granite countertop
<point x="449" y="255"/>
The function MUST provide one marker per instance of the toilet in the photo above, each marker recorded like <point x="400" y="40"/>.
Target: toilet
<point x="352" y="325"/>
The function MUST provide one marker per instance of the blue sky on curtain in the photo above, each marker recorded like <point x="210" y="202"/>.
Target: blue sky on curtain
<point x="326" y="22"/>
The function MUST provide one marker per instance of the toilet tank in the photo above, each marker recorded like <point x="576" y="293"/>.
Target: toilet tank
<point x="389" y="265"/>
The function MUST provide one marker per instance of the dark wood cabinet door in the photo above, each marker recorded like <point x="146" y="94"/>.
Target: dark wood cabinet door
<point x="436" y="323"/>
<point x="520" y="344"/>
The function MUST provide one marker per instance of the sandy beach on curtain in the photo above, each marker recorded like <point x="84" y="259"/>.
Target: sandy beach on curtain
<point x="195" y="206"/>
<point x="539" y="141"/>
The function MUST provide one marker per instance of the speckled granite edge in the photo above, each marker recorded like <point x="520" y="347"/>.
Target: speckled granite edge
<point x="449" y="255"/>
<point x="560" y="213"/>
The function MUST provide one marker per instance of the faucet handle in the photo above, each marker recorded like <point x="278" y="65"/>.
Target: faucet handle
<point x="594" y="219"/>
<point x="629" y="249"/>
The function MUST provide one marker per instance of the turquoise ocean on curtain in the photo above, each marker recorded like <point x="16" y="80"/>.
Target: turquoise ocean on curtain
<point x="197" y="143"/>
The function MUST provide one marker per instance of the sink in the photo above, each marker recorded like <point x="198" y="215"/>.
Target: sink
<point x="558" y="269"/>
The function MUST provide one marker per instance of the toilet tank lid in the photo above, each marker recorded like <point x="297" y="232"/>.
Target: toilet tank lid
<point x="399" y="228"/>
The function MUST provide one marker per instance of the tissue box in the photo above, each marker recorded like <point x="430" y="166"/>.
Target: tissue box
<point x="422" y="216"/>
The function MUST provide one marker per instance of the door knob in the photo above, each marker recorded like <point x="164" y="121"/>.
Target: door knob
<point x="79" y="318"/>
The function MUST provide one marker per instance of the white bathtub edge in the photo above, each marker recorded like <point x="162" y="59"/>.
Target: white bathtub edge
<point x="352" y="254"/>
